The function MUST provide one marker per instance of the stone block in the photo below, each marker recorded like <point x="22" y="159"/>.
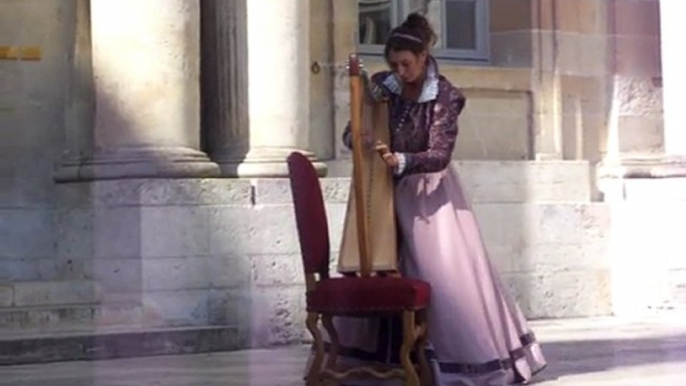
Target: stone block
<point x="553" y="181"/>
<point x="577" y="16"/>
<point x="277" y="316"/>
<point x="114" y="193"/>
<point x="277" y="270"/>
<point x="567" y="224"/>
<point x="259" y="230"/>
<point x="231" y="230"/>
<point x="640" y="18"/>
<point x="278" y="191"/>
<point x="175" y="308"/>
<point x="511" y="15"/>
<point x="641" y="134"/>
<point x="174" y="231"/>
<point x="27" y="233"/>
<point x="638" y="56"/>
<point x="582" y="16"/>
<point x="220" y="191"/>
<point x="495" y="125"/>
<point x="118" y="275"/>
<point x="512" y="48"/>
<point x="12" y="269"/>
<point x="582" y="93"/>
<point x="75" y="232"/>
<point x="55" y="292"/>
<point x="520" y="226"/>
<point x="272" y="191"/>
<point x="489" y="78"/>
<point x="157" y="192"/>
<point x="551" y="258"/>
<point x="638" y="96"/>
<point x="230" y="271"/>
<point x="23" y="192"/>
<point x="336" y="190"/>
<point x="117" y="232"/>
<point x="583" y="55"/>
<point x="186" y="273"/>
<point x="65" y="268"/>
<point x="234" y="308"/>
<point x="562" y="294"/>
<point x="6" y="295"/>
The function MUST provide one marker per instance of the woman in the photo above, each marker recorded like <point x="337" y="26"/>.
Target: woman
<point x="477" y="332"/>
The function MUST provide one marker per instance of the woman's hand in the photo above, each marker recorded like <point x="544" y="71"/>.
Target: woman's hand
<point x="388" y="157"/>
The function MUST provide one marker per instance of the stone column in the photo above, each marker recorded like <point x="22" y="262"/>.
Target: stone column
<point x="278" y="79"/>
<point x="225" y="115"/>
<point x="146" y="68"/>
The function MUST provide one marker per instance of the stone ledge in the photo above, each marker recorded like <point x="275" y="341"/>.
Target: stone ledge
<point x="94" y="345"/>
<point x="643" y="167"/>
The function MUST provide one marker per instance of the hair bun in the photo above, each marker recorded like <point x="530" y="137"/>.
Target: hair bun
<point x="421" y="27"/>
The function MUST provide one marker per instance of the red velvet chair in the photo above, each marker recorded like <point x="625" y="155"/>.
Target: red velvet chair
<point x="352" y="295"/>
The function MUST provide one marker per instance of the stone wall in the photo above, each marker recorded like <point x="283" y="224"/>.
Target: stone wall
<point x="164" y="253"/>
<point x="159" y="253"/>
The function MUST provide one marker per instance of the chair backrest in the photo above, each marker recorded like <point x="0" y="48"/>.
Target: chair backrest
<point x="310" y="215"/>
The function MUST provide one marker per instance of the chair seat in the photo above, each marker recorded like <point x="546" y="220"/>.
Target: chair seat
<point x="355" y="295"/>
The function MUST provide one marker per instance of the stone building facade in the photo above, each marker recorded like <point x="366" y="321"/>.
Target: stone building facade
<point x="144" y="144"/>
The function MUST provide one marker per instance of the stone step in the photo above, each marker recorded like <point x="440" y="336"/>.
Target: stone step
<point x="48" y="293"/>
<point x="108" y="343"/>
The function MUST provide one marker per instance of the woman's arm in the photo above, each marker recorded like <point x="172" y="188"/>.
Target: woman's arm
<point x="442" y="137"/>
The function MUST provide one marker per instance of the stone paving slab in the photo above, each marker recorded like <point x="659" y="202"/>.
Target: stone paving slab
<point x="588" y="352"/>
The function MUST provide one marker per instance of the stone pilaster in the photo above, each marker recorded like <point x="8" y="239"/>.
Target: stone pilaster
<point x="146" y="68"/>
<point x="646" y="190"/>
<point x="634" y="147"/>
<point x="672" y="15"/>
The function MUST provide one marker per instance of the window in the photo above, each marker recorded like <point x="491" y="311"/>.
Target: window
<point x="461" y="25"/>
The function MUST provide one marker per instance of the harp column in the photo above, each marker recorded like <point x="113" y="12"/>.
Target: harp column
<point x="277" y="89"/>
<point x="146" y="68"/>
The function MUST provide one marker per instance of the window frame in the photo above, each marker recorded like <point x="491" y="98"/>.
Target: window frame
<point x="481" y="54"/>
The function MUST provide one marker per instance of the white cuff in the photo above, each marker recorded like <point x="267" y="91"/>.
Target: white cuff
<point x="401" y="163"/>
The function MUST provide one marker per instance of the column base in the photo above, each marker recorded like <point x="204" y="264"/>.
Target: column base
<point x="262" y="163"/>
<point x="168" y="162"/>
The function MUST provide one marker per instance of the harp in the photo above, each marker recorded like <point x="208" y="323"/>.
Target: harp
<point x="369" y="236"/>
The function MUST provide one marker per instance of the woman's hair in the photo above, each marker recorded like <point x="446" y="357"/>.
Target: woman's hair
<point x="414" y="34"/>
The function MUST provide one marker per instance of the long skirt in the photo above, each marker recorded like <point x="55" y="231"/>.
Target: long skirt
<point x="477" y="333"/>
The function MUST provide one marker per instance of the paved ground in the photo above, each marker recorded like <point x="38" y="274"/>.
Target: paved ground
<point x="596" y="352"/>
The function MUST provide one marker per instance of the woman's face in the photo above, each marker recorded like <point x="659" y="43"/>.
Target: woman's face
<point x="408" y="65"/>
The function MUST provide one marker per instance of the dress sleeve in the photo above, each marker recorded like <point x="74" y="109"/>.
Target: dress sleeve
<point x="442" y="135"/>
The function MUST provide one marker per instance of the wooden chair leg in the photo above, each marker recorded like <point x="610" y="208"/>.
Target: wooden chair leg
<point x="327" y="320"/>
<point x="425" y="372"/>
<point x="314" y="375"/>
<point x="409" y="338"/>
